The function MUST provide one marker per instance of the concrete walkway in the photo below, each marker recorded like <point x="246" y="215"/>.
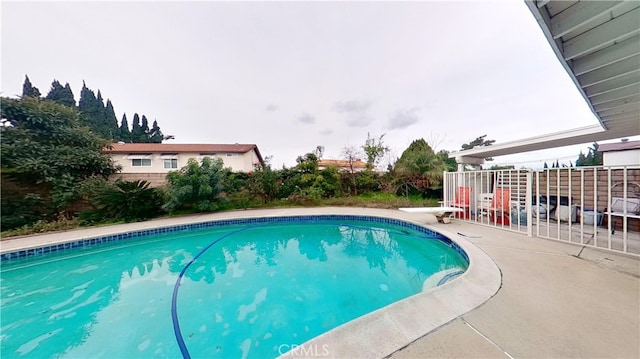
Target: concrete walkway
<point x="557" y="300"/>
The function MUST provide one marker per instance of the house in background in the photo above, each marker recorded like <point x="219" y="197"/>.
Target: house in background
<point x="625" y="153"/>
<point x="152" y="161"/>
<point x="343" y="165"/>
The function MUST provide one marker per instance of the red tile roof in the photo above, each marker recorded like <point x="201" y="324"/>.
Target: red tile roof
<point x="341" y="163"/>
<point x="178" y="148"/>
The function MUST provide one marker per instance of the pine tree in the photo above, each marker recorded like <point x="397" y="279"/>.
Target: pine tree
<point x="68" y="95"/>
<point x="101" y="121"/>
<point x="93" y="113"/>
<point x="137" y="135"/>
<point x="581" y="160"/>
<point x="88" y="108"/>
<point x="145" y="129"/>
<point x="593" y="158"/>
<point x="111" y="121"/>
<point x="87" y="97"/>
<point x="29" y="90"/>
<point x="156" y="135"/>
<point x="479" y="142"/>
<point x="100" y="118"/>
<point x="61" y="95"/>
<point x="125" y="133"/>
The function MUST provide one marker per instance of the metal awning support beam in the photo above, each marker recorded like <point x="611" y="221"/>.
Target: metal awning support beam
<point x="577" y="136"/>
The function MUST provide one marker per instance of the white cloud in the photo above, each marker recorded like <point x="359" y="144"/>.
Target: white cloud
<point x="403" y="118"/>
<point x="271" y="108"/>
<point x="359" y="120"/>
<point x="227" y="72"/>
<point x="356" y="112"/>
<point x="306" y="119"/>
<point x="352" y="106"/>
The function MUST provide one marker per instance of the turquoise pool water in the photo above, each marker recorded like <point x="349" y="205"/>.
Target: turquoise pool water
<point x="248" y="290"/>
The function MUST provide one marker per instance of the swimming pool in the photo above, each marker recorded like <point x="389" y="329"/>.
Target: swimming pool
<point x="125" y="298"/>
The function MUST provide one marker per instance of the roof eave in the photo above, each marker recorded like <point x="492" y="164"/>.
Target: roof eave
<point x="542" y="17"/>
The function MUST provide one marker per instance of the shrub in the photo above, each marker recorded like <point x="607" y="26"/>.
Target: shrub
<point x="42" y="226"/>
<point x="197" y="187"/>
<point x="127" y="201"/>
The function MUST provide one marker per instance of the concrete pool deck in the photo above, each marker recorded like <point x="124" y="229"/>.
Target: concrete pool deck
<point x="556" y="300"/>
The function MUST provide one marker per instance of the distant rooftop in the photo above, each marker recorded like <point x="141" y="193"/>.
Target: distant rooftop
<point x="619" y="146"/>
<point x="341" y="163"/>
<point x="181" y="148"/>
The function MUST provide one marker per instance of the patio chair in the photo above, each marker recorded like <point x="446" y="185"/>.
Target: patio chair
<point x="463" y="201"/>
<point x="500" y="206"/>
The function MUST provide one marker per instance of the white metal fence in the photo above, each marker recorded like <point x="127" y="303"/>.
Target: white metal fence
<point x="591" y="206"/>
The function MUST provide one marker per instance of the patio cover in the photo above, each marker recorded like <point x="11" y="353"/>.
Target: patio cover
<point x="598" y="44"/>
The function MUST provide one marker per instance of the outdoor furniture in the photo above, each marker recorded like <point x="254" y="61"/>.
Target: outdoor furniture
<point x="618" y="211"/>
<point x="500" y="206"/>
<point x="483" y="204"/>
<point x="443" y="214"/>
<point x="557" y="208"/>
<point x="462" y="201"/>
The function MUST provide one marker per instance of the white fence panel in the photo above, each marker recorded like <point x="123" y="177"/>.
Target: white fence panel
<point x="591" y="206"/>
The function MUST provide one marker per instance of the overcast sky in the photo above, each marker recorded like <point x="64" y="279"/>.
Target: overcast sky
<point x="293" y="76"/>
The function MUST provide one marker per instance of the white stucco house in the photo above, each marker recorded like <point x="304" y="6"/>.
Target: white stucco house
<point x="152" y="161"/>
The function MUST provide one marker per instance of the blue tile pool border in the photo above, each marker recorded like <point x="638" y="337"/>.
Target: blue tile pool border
<point x="94" y="241"/>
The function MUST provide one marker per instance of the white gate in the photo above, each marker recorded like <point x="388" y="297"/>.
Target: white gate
<point x="591" y="206"/>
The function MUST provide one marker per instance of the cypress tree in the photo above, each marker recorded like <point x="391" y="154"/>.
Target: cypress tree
<point x="145" y="129"/>
<point x="87" y="97"/>
<point x="29" y="90"/>
<point x="68" y="95"/>
<point x="137" y="135"/>
<point x="156" y="135"/>
<point x="101" y="120"/>
<point x="93" y="113"/>
<point x="54" y="91"/>
<point x="99" y="101"/>
<point x="61" y="95"/>
<point x="87" y="106"/>
<point x="111" y="122"/>
<point x="125" y="134"/>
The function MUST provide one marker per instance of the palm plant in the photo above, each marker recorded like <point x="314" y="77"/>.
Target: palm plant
<point x="129" y="201"/>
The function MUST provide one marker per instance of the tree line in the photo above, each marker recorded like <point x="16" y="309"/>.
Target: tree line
<point x="53" y="169"/>
<point x="99" y="116"/>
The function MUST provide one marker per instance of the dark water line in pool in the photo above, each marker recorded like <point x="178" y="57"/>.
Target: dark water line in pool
<point x="174" y="298"/>
<point x="448" y="277"/>
<point x="174" y="312"/>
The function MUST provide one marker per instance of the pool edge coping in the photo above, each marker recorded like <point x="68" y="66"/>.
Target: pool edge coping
<point x="403" y="322"/>
<point x="399" y="323"/>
